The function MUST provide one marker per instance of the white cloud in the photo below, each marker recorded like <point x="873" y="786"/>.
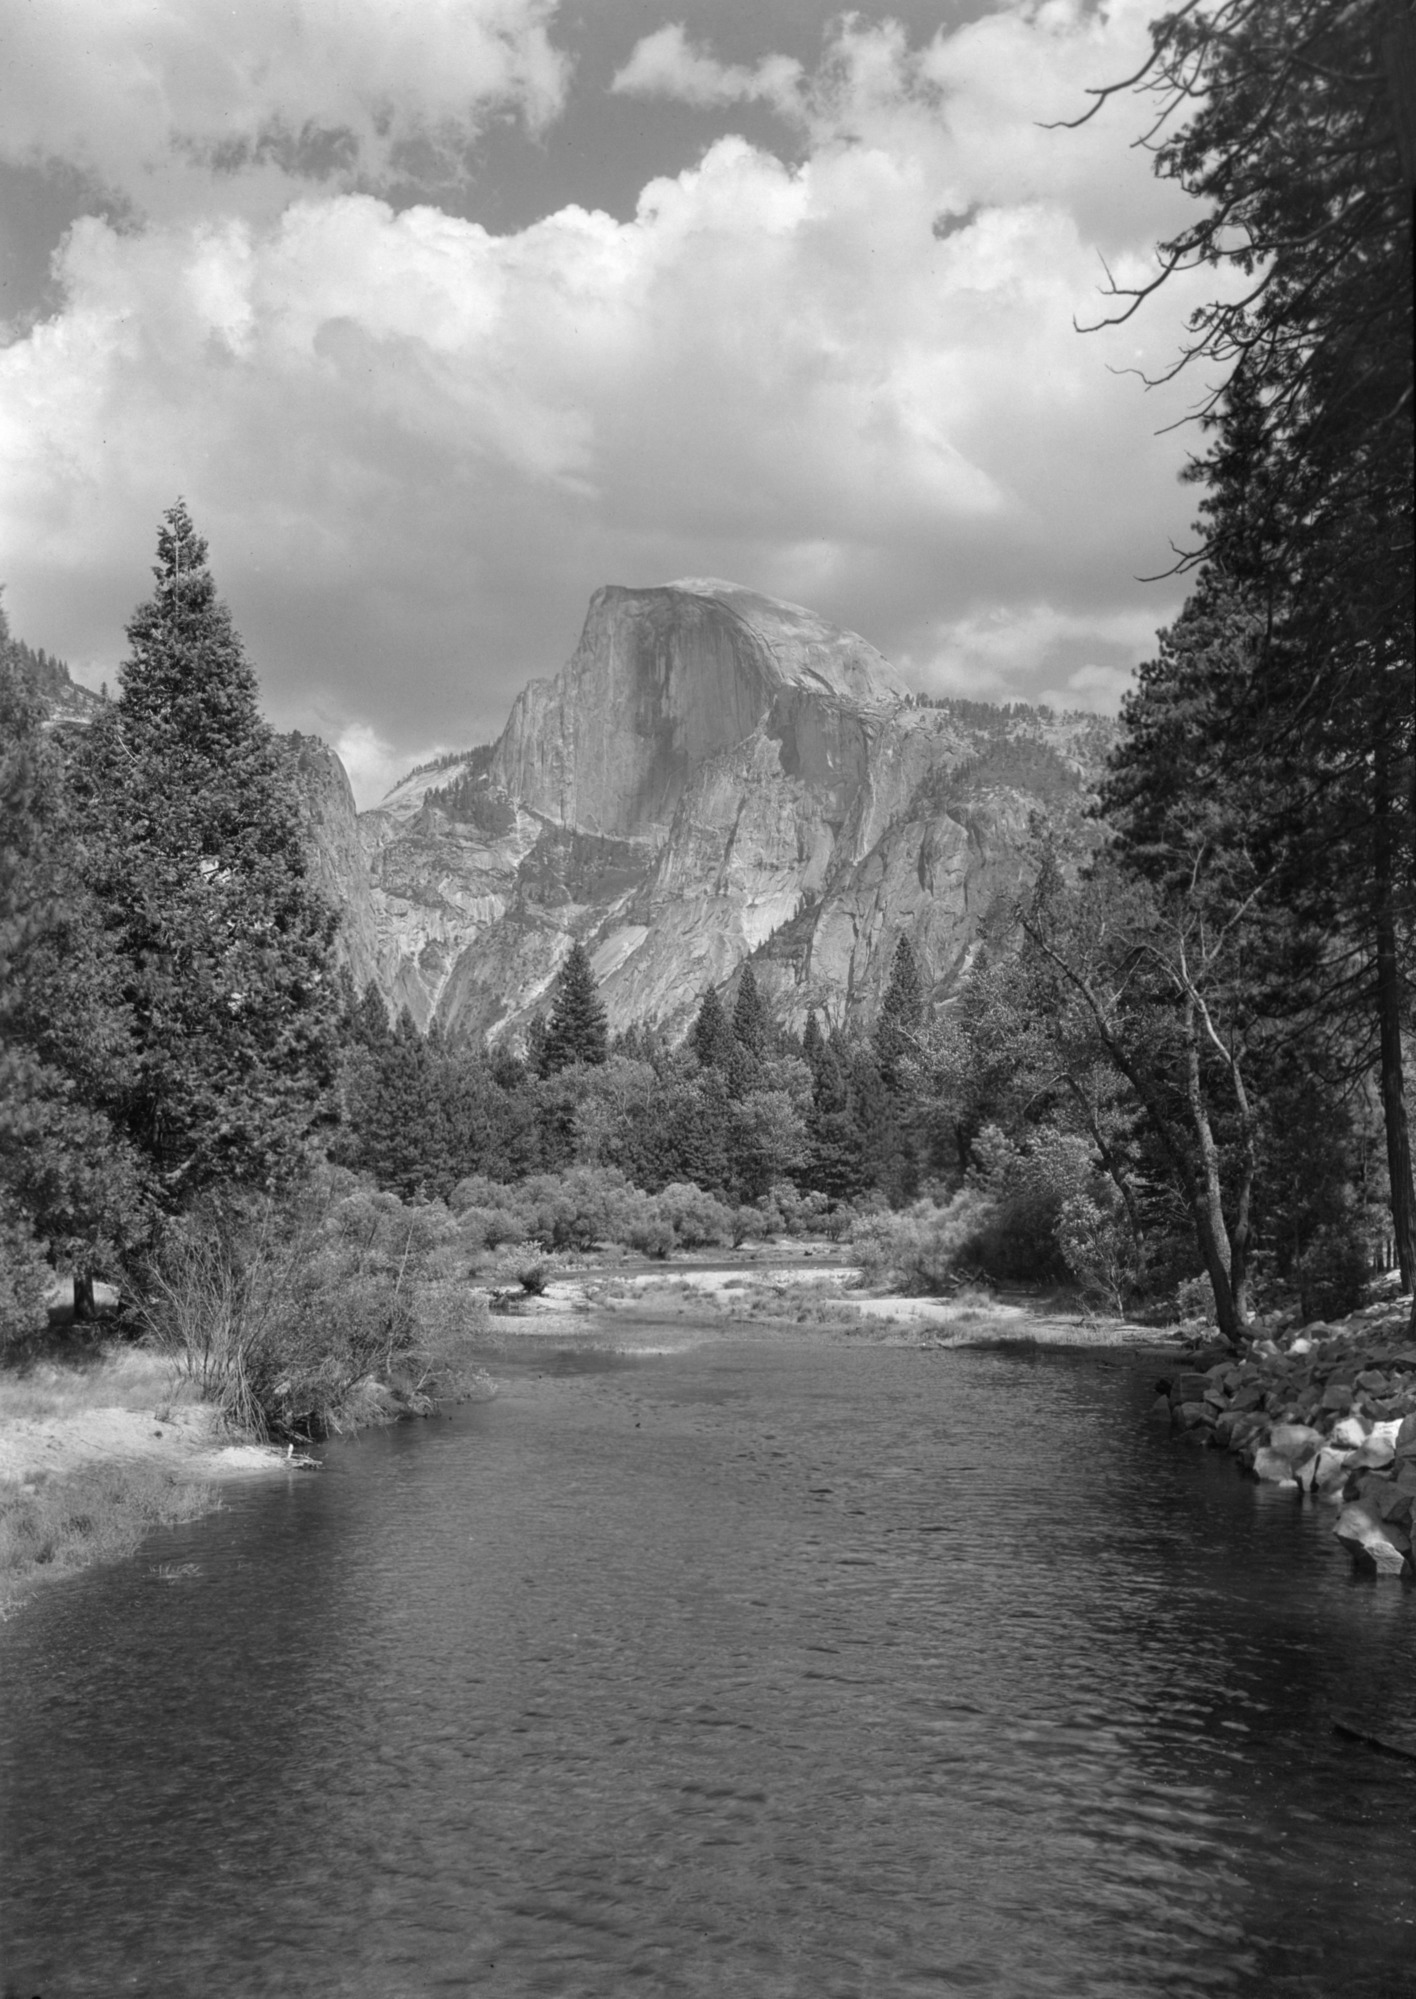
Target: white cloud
<point x="416" y="447"/>
<point x="1099" y="688"/>
<point x="374" y="765"/>
<point x="202" y="102"/>
<point x="668" y="64"/>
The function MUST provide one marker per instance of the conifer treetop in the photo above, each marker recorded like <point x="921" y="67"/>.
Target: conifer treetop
<point x="577" y="1030"/>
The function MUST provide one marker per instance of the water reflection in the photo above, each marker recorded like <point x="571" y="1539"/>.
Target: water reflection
<point x="751" y="1670"/>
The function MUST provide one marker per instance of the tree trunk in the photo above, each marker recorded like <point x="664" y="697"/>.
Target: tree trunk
<point x="1398" y="1135"/>
<point x="1226" y="1270"/>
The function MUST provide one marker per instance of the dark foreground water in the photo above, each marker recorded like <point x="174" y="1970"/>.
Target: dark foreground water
<point x="741" y="1671"/>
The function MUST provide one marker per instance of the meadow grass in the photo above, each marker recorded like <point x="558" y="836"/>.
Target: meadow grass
<point x="62" y="1379"/>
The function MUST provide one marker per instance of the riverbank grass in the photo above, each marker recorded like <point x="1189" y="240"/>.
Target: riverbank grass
<point x="54" y="1526"/>
<point x="95" y="1444"/>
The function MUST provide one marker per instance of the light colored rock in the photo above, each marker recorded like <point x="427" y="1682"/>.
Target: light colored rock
<point x="714" y="774"/>
<point x="1295" y="1441"/>
<point x="1273" y="1468"/>
<point x="1348" y="1434"/>
<point x="1371" y="1542"/>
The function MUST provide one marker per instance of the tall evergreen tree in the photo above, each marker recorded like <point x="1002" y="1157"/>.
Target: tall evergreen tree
<point x="68" y="1181"/>
<point x="393" y="1124"/>
<point x="901" y="1015"/>
<point x="577" y="1030"/>
<point x="1285" y="119"/>
<point x="711" y="1036"/>
<point x="750" y="1015"/>
<point x="193" y="834"/>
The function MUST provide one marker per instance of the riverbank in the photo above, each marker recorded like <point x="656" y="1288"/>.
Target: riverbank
<point x="100" y="1444"/>
<point x="803" y="1294"/>
<point x="1326" y="1411"/>
<point x="98" y="1448"/>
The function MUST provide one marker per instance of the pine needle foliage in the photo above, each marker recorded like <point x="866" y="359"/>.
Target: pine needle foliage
<point x="577" y="1029"/>
<point x="196" y="855"/>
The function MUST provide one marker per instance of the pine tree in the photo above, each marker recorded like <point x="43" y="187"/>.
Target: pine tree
<point x="750" y="1016"/>
<point x="369" y="1024"/>
<point x="1288" y="120"/>
<point x="901" y="1016"/>
<point x="393" y="1112"/>
<point x="577" y="1030"/>
<point x="196" y="856"/>
<point x="68" y="1181"/>
<point x="711" y="1036"/>
<point x="836" y="1161"/>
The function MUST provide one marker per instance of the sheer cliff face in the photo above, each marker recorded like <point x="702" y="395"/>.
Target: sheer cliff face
<point x="714" y="774"/>
<point x="661" y="682"/>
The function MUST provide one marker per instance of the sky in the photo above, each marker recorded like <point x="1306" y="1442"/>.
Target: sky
<point x="440" y="314"/>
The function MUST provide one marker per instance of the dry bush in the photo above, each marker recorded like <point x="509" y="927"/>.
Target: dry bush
<point x="280" y="1311"/>
<point x="923" y="1250"/>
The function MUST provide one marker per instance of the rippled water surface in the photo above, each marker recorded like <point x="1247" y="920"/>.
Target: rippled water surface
<point x="746" y="1670"/>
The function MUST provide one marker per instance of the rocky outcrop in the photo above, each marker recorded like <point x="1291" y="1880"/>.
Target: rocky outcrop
<point x="714" y="775"/>
<point x="1328" y="1413"/>
<point x="336" y="852"/>
<point x="63" y="697"/>
<point x="662" y="682"/>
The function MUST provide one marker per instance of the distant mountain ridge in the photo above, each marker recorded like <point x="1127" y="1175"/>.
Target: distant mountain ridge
<point x="714" y="775"/>
<point x="64" y="698"/>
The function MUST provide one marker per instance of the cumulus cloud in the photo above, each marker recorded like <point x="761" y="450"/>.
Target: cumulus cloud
<point x="668" y="64"/>
<point x="175" y="106"/>
<point x="417" y="447"/>
<point x="373" y="765"/>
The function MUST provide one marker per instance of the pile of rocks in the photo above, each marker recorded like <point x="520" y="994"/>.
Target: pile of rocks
<point x="1328" y="1411"/>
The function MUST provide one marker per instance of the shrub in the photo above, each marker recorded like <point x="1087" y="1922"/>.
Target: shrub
<point x="285" y="1315"/>
<point x="1332" y="1272"/>
<point x="698" y="1220"/>
<point x="1096" y="1245"/>
<point x="1194" y="1299"/>
<point x="795" y="1213"/>
<point x="923" y="1249"/>
<point x="24" y="1277"/>
<point x="652" y="1235"/>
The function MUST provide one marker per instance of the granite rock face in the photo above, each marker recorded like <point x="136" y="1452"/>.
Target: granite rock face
<point x="714" y="775"/>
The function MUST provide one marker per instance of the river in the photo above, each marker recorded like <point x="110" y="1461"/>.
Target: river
<point x="788" y="1671"/>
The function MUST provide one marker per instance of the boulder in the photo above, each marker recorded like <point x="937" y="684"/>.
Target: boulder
<point x="1348" y="1434"/>
<point x="1330" y="1475"/>
<point x="1273" y="1468"/>
<point x="1384" y="1498"/>
<point x="1295" y="1441"/>
<point x="1371" y="1542"/>
<point x="1337" y="1396"/>
<point x="1377" y="1451"/>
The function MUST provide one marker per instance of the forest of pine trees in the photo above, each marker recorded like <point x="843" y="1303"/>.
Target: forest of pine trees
<point x="1184" y="1063"/>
